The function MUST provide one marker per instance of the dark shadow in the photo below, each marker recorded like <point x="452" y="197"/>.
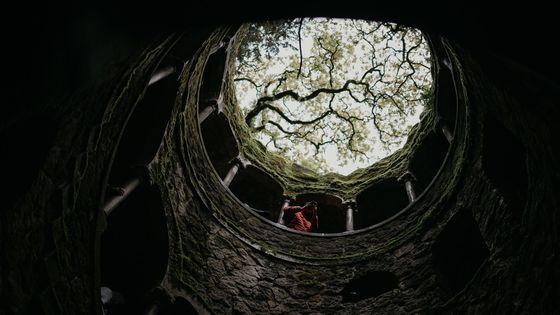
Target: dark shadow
<point x="331" y="213"/>
<point x="144" y="131"/>
<point x="427" y="160"/>
<point x="212" y="78"/>
<point x="134" y="247"/>
<point x="379" y="202"/>
<point x="219" y="142"/>
<point x="258" y="190"/>
<point x="459" y="251"/>
<point x="373" y="284"/>
<point x="25" y="146"/>
<point x="504" y="163"/>
<point x="446" y="95"/>
<point x="189" y="43"/>
<point x="180" y="307"/>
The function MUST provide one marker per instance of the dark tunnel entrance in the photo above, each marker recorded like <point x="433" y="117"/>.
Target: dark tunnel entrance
<point x="373" y="284"/>
<point x="459" y="251"/>
<point x="134" y="247"/>
<point x="380" y="202"/>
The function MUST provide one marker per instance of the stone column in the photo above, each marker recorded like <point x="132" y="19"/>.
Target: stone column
<point x="350" y="205"/>
<point x="132" y="182"/>
<point x="205" y="113"/>
<point x="152" y="310"/>
<point x="447" y="63"/>
<point x="214" y="106"/>
<point x="442" y="124"/>
<point x="285" y="203"/>
<point x="235" y="164"/>
<point x="161" y="74"/>
<point x="408" y="178"/>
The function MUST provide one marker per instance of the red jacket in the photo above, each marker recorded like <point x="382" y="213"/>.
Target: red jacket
<point x="301" y="221"/>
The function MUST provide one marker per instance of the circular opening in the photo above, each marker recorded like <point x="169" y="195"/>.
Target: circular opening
<point x="332" y="95"/>
<point x="398" y="180"/>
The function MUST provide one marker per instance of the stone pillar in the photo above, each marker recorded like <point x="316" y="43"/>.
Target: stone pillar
<point x="408" y="178"/>
<point x="447" y="63"/>
<point x="209" y="109"/>
<point x="350" y="205"/>
<point x="161" y="74"/>
<point x="442" y="124"/>
<point x="152" y="310"/>
<point x="235" y="164"/>
<point x="132" y="182"/>
<point x="214" y="106"/>
<point x="285" y="203"/>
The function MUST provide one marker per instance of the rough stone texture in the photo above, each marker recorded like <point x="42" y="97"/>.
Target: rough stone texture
<point x="244" y="264"/>
<point x="524" y="246"/>
<point x="234" y="261"/>
<point x="224" y="259"/>
<point x="50" y="255"/>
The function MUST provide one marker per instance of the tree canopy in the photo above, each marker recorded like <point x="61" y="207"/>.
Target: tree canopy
<point x="331" y="94"/>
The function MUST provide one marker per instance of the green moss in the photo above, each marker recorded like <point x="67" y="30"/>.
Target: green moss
<point x="183" y="146"/>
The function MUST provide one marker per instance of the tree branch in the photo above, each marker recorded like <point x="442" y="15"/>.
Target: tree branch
<point x="389" y="79"/>
<point x="300" y="51"/>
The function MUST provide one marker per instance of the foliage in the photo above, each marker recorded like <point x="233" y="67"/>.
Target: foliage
<point x="325" y="91"/>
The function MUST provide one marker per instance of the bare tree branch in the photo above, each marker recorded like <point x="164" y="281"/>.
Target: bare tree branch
<point x="300" y="51"/>
<point x="331" y="97"/>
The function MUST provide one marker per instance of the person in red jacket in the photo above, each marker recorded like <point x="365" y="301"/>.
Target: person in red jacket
<point x="304" y="218"/>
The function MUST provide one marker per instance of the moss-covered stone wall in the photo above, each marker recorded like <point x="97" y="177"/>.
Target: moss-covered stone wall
<point x="50" y="241"/>
<point x="226" y="259"/>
